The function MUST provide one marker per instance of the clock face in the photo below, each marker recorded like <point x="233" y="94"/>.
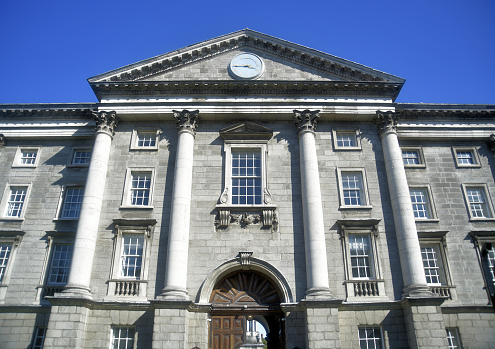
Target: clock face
<point x="246" y="66"/>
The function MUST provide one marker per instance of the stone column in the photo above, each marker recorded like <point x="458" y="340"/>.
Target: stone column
<point x="314" y="231"/>
<point x="178" y="241"/>
<point x="411" y="261"/>
<point x="89" y="218"/>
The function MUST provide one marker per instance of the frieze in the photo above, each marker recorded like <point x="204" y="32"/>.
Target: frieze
<point x="264" y="216"/>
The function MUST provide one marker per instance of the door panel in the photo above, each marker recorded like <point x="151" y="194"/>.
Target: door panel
<point x="226" y="332"/>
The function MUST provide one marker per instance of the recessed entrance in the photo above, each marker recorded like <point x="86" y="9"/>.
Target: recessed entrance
<point x="241" y="301"/>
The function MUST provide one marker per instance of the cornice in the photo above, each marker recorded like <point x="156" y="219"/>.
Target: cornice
<point x="250" y="88"/>
<point x="80" y="110"/>
<point x="429" y="111"/>
<point x="251" y="39"/>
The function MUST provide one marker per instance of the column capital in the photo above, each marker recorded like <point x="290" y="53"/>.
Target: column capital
<point x="386" y="121"/>
<point x="187" y="120"/>
<point x="305" y="120"/>
<point x="490" y="142"/>
<point x="106" y="121"/>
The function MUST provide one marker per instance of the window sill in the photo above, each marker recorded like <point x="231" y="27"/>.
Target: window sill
<point x="366" y="207"/>
<point x="12" y="219"/>
<point x="481" y="219"/>
<point x="469" y="166"/>
<point x="136" y="207"/>
<point x="427" y="220"/>
<point x="66" y="219"/>
<point x="78" y="165"/>
<point x="415" y="166"/>
<point x="347" y="148"/>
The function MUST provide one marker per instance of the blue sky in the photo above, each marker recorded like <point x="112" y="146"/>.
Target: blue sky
<point x="444" y="49"/>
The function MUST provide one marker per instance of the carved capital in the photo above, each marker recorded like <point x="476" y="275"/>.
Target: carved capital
<point x="386" y="121"/>
<point x="491" y="143"/>
<point x="2" y="141"/>
<point x="106" y="121"/>
<point x="187" y="120"/>
<point x="306" y="120"/>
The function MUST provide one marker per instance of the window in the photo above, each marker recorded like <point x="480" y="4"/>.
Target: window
<point x="132" y="246"/>
<point x="453" y="338"/>
<point x="246" y="177"/>
<point x="479" y="205"/>
<point x="122" y="337"/>
<point x="434" y="254"/>
<point x="26" y="157"/>
<point x="5" y="250"/>
<point x="422" y="203"/>
<point x="139" y="188"/>
<point x="370" y="338"/>
<point x="353" y="188"/>
<point x="361" y="256"/>
<point x="60" y="264"/>
<point x="39" y="337"/>
<point x="413" y="157"/>
<point x="466" y="156"/>
<point x="346" y="140"/>
<point x="72" y="201"/>
<point x="14" y="201"/>
<point x="80" y="157"/>
<point x="484" y="242"/>
<point x="145" y="139"/>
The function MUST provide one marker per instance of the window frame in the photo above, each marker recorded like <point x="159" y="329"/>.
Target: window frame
<point x="480" y="240"/>
<point x="421" y="157"/>
<point x="473" y="150"/>
<point x="62" y="202"/>
<point x="374" y="328"/>
<point x="438" y="240"/>
<point x="357" y="138"/>
<point x="135" y="138"/>
<point x="6" y="199"/>
<point x="229" y="147"/>
<point x="124" y="227"/>
<point x="127" y="196"/>
<point x="429" y="202"/>
<point x="13" y="238"/>
<point x="486" y="195"/>
<point x="120" y="327"/>
<point x="365" y="199"/>
<point x="18" y="156"/>
<point x="73" y="154"/>
<point x="36" y="335"/>
<point x="453" y="332"/>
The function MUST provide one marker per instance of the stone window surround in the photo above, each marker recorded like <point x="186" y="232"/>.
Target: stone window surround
<point x="480" y="239"/>
<point x="473" y="151"/>
<point x="357" y="138"/>
<point x="18" y="156"/>
<point x="134" y="138"/>
<point x="126" y="197"/>
<point x="6" y="198"/>
<point x="119" y="287"/>
<point x="52" y="238"/>
<point x="13" y="237"/>
<point x="487" y="197"/>
<point x="430" y="203"/>
<point x="61" y="202"/>
<point x="73" y="153"/>
<point x="438" y="239"/>
<point x="421" y="157"/>
<point x="358" y="289"/>
<point x="365" y="199"/>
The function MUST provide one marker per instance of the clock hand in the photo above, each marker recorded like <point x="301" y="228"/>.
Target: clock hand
<point x="245" y="66"/>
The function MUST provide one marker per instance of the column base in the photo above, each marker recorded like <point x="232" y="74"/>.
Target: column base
<point x="418" y="291"/>
<point x="174" y="293"/>
<point x="319" y="293"/>
<point x="75" y="291"/>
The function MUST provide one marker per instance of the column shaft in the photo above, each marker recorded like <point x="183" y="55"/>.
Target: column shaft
<point x="180" y="214"/>
<point x="89" y="217"/>
<point x="314" y="230"/>
<point x="411" y="260"/>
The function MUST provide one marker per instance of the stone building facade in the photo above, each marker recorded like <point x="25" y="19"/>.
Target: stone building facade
<point x="247" y="178"/>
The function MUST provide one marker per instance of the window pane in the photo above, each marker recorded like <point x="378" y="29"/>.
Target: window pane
<point x="477" y="202"/>
<point x="453" y="338"/>
<point x="123" y="337"/>
<point x="39" y="337"/>
<point x="352" y="189"/>
<point x="28" y="156"/>
<point x="81" y="157"/>
<point x="346" y="139"/>
<point x="132" y="256"/>
<point x="465" y="157"/>
<point x="146" y="139"/>
<point x="72" y="202"/>
<point x="140" y="188"/>
<point x="360" y="251"/>
<point x="370" y="338"/>
<point x="5" y="250"/>
<point x="246" y="177"/>
<point x="490" y="257"/>
<point x="60" y="264"/>
<point x="16" y="201"/>
<point x="410" y="157"/>
<point x="420" y="203"/>
<point x="431" y="264"/>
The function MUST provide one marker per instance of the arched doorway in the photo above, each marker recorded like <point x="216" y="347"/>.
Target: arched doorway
<point x="239" y="300"/>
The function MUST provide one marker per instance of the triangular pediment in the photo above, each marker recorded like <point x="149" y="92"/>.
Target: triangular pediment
<point x="246" y="131"/>
<point x="209" y="61"/>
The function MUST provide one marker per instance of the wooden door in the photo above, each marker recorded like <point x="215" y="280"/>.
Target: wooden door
<point x="226" y="332"/>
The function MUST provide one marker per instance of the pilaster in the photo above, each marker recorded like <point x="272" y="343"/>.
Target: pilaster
<point x="314" y="230"/>
<point x="178" y="243"/>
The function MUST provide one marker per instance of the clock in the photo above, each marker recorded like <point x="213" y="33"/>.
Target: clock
<point x="246" y="66"/>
